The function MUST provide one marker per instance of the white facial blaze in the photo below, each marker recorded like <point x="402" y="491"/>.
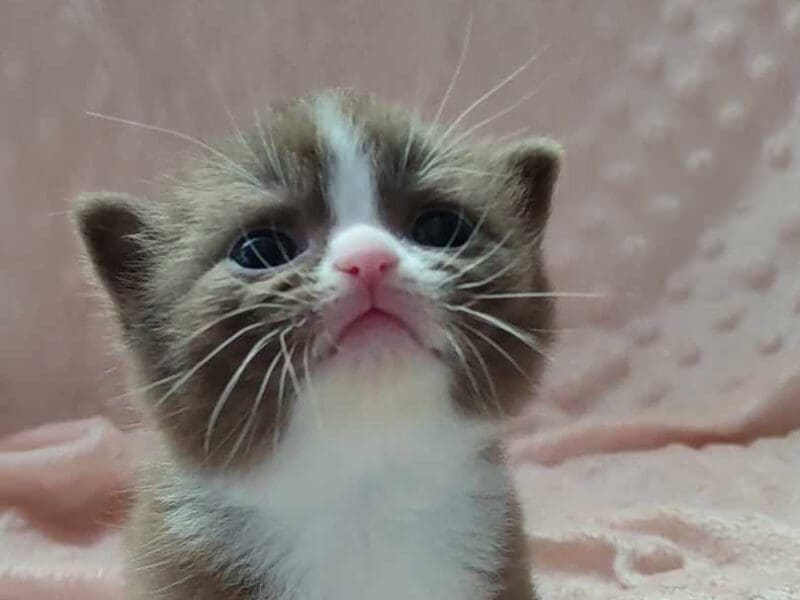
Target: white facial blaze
<point x="352" y="194"/>
<point x="351" y="186"/>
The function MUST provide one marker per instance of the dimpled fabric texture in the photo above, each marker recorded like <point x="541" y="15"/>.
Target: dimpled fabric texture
<point x="660" y="459"/>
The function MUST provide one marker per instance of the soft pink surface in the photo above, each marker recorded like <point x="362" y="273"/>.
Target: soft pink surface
<point x="721" y="521"/>
<point x="661" y="458"/>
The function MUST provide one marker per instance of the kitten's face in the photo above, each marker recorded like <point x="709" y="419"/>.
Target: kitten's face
<point x="340" y="235"/>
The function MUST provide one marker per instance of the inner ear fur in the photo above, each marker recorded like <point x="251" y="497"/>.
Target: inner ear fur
<point x="115" y="229"/>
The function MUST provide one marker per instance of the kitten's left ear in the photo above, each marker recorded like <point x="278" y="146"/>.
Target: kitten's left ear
<point x="534" y="165"/>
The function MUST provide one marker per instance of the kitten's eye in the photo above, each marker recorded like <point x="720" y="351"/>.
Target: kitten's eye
<point x="264" y="249"/>
<point x="441" y="228"/>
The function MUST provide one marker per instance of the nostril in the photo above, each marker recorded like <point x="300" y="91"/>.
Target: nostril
<point x="369" y="266"/>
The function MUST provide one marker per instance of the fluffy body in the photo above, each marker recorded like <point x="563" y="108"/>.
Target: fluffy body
<point x="357" y="502"/>
<point x="300" y="462"/>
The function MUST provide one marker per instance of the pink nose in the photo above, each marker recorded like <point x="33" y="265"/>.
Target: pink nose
<point x="370" y="265"/>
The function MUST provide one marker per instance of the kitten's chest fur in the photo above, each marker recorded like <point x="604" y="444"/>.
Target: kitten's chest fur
<point x="377" y="490"/>
<point x="413" y="514"/>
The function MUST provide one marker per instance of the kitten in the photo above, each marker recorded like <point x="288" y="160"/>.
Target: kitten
<point x="331" y="314"/>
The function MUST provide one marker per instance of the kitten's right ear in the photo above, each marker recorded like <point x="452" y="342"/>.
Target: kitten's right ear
<point x="535" y="163"/>
<point x="114" y="229"/>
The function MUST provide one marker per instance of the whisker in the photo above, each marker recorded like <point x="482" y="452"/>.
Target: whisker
<point x="508" y="79"/>
<point x="510" y="135"/>
<point x="181" y="136"/>
<point x="292" y="372"/>
<point x="233" y="313"/>
<point x="413" y="125"/>
<point x="152" y="544"/>
<point x="493" y="277"/>
<point x="165" y="545"/>
<point x="144" y="388"/>
<point x="491" y="119"/>
<point x="155" y="565"/>
<point x="294" y="295"/>
<point x="206" y="359"/>
<point x="539" y="295"/>
<point x="262" y="389"/>
<point x="190" y="40"/>
<point x="459" y="65"/>
<point x="502" y="351"/>
<point x="501" y="325"/>
<point x="232" y="383"/>
<point x="157" y="544"/>
<point x="486" y="374"/>
<point x="446" y="170"/>
<point x="239" y="133"/>
<point x="473" y="237"/>
<point x="463" y="360"/>
<point x="223" y="101"/>
<point x="287" y="358"/>
<point x="174" y="411"/>
<point x="312" y="392"/>
<point x="269" y="149"/>
<point x="174" y="584"/>
<point x="477" y="262"/>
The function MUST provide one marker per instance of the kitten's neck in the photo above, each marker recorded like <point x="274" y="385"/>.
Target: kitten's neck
<point x="370" y="501"/>
<point x="395" y="426"/>
<point x="326" y="460"/>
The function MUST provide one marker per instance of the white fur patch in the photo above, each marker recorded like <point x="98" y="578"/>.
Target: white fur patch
<point x="377" y="491"/>
<point x="351" y="187"/>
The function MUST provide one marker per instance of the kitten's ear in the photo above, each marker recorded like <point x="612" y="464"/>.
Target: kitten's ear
<point x="534" y="165"/>
<point x="114" y="229"/>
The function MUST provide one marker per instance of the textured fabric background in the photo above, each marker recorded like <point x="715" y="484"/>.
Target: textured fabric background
<point x="672" y="117"/>
<point x="185" y="65"/>
<point x="660" y="458"/>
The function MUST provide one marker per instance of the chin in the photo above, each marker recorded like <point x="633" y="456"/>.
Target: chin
<point x="378" y="336"/>
<point x="380" y="376"/>
<point x="378" y="355"/>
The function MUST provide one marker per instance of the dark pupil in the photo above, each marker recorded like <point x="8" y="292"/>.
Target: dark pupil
<point x="441" y="229"/>
<point x="264" y="249"/>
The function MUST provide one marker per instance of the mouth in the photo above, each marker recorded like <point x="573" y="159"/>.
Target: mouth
<point x="375" y="322"/>
<point x="363" y="323"/>
<point x="375" y="325"/>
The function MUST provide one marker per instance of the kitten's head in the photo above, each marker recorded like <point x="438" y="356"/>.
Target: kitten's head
<point x="339" y="236"/>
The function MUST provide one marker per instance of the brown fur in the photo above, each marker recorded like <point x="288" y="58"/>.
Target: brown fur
<point x="162" y="265"/>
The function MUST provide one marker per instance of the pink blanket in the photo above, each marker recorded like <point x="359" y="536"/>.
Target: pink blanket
<point x="668" y="521"/>
<point x="662" y="458"/>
